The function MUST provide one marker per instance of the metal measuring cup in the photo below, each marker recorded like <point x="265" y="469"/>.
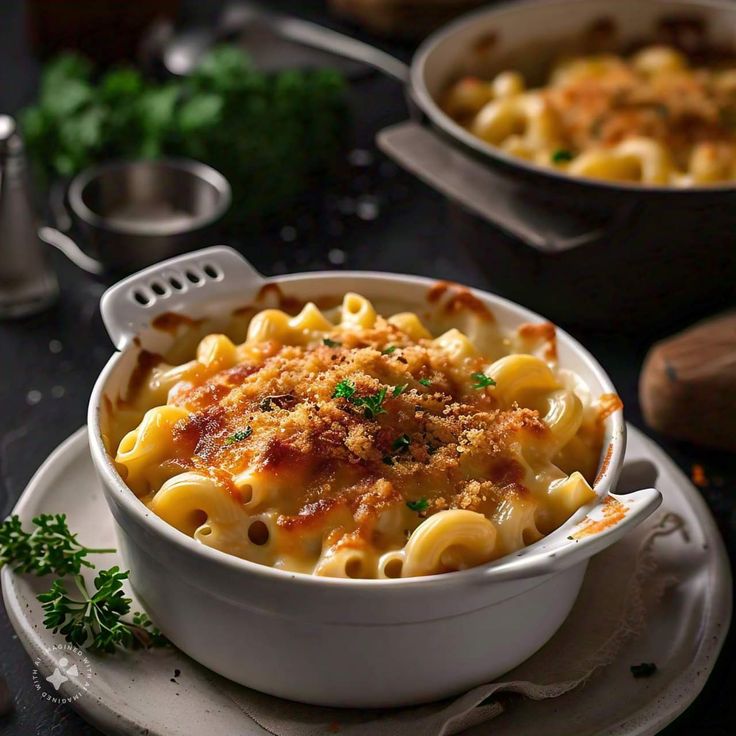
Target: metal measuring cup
<point x="130" y="214"/>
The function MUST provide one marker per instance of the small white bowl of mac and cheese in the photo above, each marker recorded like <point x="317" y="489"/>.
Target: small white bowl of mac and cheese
<point x="352" y="489"/>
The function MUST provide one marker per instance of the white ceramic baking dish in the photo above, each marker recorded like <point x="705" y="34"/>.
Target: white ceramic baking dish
<point x="339" y="642"/>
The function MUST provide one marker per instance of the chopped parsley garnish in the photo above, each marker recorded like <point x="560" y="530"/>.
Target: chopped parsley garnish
<point x="561" y="155"/>
<point x="420" y="505"/>
<point x="645" y="669"/>
<point x="401" y="443"/>
<point x="372" y="405"/>
<point x="344" y="390"/>
<point x="425" y="381"/>
<point x="398" y="390"/>
<point x="239" y="436"/>
<point x="331" y="343"/>
<point x="481" y="380"/>
<point x="388" y="350"/>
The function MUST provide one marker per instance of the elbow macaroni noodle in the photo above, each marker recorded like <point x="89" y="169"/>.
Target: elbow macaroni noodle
<point x="650" y="118"/>
<point x="349" y="445"/>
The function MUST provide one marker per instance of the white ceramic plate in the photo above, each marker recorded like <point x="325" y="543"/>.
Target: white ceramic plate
<point x="139" y="692"/>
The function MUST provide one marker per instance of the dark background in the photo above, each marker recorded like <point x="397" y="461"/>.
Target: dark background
<point x="379" y="219"/>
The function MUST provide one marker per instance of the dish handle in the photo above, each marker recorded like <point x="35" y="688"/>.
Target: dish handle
<point x="472" y="185"/>
<point x="605" y="524"/>
<point x="178" y="284"/>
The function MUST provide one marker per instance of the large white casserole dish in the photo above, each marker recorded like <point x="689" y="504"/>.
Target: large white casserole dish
<point x="329" y="641"/>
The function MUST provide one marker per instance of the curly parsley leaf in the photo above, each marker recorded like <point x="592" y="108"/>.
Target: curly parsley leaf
<point x="388" y="350"/>
<point x="419" y="505"/>
<point x="49" y="548"/>
<point x="372" y="404"/>
<point x="481" y="380"/>
<point x="239" y="436"/>
<point x="344" y="390"/>
<point x="401" y="443"/>
<point x="331" y="343"/>
<point x="561" y="155"/>
<point x="95" y="620"/>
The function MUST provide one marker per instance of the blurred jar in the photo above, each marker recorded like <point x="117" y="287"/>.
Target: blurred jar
<point x="106" y="31"/>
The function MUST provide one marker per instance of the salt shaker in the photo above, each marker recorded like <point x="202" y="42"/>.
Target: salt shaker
<point x="27" y="284"/>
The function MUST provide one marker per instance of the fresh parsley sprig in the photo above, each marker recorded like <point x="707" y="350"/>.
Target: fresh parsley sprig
<point x="344" y="390"/>
<point x="372" y="404"/>
<point x="239" y="436"/>
<point x="399" y="445"/>
<point x="49" y="548"/>
<point x="96" y="620"/>
<point x="481" y="380"/>
<point x="561" y="155"/>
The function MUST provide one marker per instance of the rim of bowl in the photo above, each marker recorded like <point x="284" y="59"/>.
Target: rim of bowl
<point x="485" y="150"/>
<point x="113" y="481"/>
<point x="197" y="169"/>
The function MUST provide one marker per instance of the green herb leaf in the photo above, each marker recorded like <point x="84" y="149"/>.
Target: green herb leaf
<point x="239" y="436"/>
<point x="373" y="404"/>
<point x="425" y="381"/>
<point x="96" y="620"/>
<point x="645" y="669"/>
<point x="49" y="548"/>
<point x="388" y="350"/>
<point x="331" y="343"/>
<point x="561" y="155"/>
<point x="344" y="390"/>
<point x="420" y="505"/>
<point x="398" y="390"/>
<point x="481" y="380"/>
<point x="224" y="114"/>
<point x="401" y="443"/>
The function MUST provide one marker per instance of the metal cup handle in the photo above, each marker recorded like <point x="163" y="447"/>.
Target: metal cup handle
<point x="70" y="249"/>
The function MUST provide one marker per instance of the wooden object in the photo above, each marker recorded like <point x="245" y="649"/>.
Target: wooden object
<point x="402" y="18"/>
<point x="687" y="388"/>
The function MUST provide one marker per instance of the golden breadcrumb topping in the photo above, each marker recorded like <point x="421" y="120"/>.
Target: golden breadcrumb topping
<point x="678" y="109"/>
<point x="368" y="421"/>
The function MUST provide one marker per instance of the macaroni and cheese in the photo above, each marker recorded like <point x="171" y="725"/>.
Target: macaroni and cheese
<point x="649" y="118"/>
<point x="342" y="443"/>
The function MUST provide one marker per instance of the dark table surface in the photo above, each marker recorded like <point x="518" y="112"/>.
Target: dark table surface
<point x="381" y="220"/>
